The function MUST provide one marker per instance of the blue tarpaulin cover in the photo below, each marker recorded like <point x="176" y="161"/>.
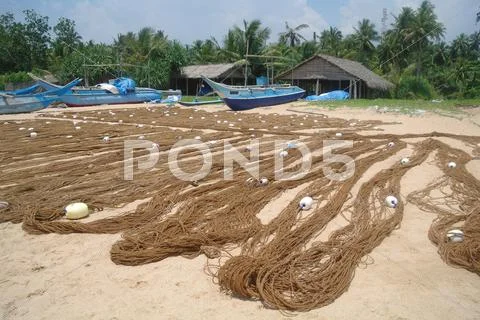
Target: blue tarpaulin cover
<point x="124" y="85"/>
<point x="262" y="81"/>
<point x="332" y="95"/>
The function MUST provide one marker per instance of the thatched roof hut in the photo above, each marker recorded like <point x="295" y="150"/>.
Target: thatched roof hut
<point x="189" y="78"/>
<point x="323" y="73"/>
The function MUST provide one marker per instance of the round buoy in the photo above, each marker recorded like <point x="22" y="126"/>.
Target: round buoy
<point x="76" y="210"/>
<point x="455" y="235"/>
<point x="283" y="153"/>
<point x="391" y="144"/>
<point x="120" y="121"/>
<point x="78" y="128"/>
<point x="4" y="205"/>
<point x="69" y="136"/>
<point x="248" y="148"/>
<point x="306" y="203"/>
<point x="48" y="122"/>
<point x="391" y="201"/>
<point x="131" y="116"/>
<point x="106" y="139"/>
<point x="338" y="134"/>
<point x="218" y="121"/>
<point x="215" y="115"/>
<point x="263" y="181"/>
<point x="190" y="118"/>
<point x="141" y="137"/>
<point x="230" y="124"/>
<point x="404" y="161"/>
<point x="30" y="129"/>
<point x="101" y="119"/>
<point x="203" y="118"/>
<point x="139" y="125"/>
<point x="33" y="134"/>
<point x="21" y="128"/>
<point x="198" y="138"/>
<point x="275" y="127"/>
<point x="452" y="165"/>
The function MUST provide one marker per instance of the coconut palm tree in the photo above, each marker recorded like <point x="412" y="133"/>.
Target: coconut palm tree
<point x="291" y="36"/>
<point x="364" y="37"/>
<point x="421" y="30"/>
<point x="331" y="40"/>
<point x="251" y="39"/>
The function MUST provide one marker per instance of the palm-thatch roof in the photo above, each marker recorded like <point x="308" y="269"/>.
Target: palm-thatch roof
<point x="344" y="69"/>
<point x="213" y="71"/>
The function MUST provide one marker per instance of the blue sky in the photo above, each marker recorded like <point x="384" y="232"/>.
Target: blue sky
<point x="188" y="20"/>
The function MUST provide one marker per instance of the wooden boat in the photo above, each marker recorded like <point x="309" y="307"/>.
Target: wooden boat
<point x="244" y="98"/>
<point x="25" y="103"/>
<point x="105" y="94"/>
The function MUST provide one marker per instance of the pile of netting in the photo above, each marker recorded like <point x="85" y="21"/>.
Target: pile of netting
<point x="282" y="262"/>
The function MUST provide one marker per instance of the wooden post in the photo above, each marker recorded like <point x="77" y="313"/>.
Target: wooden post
<point x="316" y="87"/>
<point x="339" y="84"/>
<point x="355" y="89"/>
<point x="187" y="85"/>
<point x="350" y="89"/>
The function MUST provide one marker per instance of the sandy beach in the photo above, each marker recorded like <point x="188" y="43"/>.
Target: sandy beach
<point x="72" y="276"/>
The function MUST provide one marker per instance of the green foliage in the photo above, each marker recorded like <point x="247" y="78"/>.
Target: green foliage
<point x="412" y="87"/>
<point x="14" y="77"/>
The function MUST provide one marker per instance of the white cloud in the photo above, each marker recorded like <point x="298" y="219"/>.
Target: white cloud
<point x="188" y="20"/>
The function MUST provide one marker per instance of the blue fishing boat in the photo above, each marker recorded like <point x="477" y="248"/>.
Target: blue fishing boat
<point x="24" y="103"/>
<point x="243" y="98"/>
<point x="122" y="91"/>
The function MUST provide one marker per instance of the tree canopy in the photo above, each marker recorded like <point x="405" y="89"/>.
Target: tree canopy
<point x="411" y="49"/>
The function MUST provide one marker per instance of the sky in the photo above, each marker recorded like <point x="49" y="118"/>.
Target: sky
<point x="189" y="20"/>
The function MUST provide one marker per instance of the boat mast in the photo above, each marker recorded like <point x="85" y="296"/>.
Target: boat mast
<point x="246" y="60"/>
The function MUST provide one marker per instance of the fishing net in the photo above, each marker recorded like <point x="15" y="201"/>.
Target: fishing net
<point x="289" y="262"/>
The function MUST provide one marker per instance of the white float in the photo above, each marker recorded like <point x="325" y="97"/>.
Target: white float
<point x="33" y="134"/>
<point x="283" y="153"/>
<point x="4" y="205"/>
<point x="76" y="210"/>
<point x="338" y="134"/>
<point x="455" y="235"/>
<point x="391" y="201"/>
<point x="106" y="139"/>
<point x="391" y="144"/>
<point x="141" y="137"/>
<point x="452" y="165"/>
<point x="306" y="203"/>
<point x="404" y="160"/>
<point x="263" y="181"/>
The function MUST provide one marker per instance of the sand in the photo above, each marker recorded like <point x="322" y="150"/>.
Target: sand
<point x="72" y="277"/>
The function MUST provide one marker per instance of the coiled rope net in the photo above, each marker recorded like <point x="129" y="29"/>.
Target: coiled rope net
<point x="282" y="262"/>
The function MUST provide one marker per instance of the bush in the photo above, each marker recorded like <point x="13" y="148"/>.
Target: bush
<point x="14" y="77"/>
<point x="411" y="87"/>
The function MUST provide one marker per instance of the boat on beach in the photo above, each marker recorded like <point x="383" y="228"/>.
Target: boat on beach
<point x="106" y="93"/>
<point x="248" y="97"/>
<point x="25" y="103"/>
